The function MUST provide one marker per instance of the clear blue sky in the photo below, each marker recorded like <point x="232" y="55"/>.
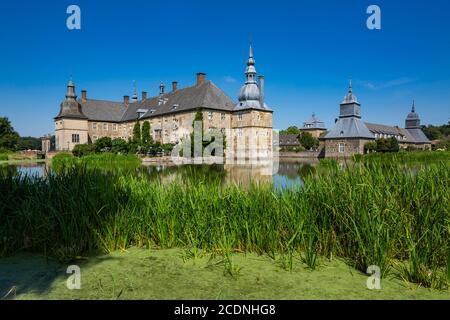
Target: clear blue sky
<point x="306" y="49"/>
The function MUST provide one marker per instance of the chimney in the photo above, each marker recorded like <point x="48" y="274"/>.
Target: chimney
<point x="144" y="96"/>
<point x="174" y="86"/>
<point x="261" y="90"/>
<point x="201" y="77"/>
<point x="83" y="95"/>
<point x="126" y="100"/>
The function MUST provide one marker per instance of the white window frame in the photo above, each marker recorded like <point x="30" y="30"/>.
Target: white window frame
<point x="341" y="147"/>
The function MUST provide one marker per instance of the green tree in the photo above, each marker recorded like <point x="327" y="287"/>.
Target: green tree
<point x="432" y="132"/>
<point x="8" y="137"/>
<point x="393" y="145"/>
<point x="308" y="141"/>
<point x="290" y="130"/>
<point x="383" y="145"/>
<point x="119" y="146"/>
<point x="370" y="147"/>
<point x="137" y="133"/>
<point x="103" y="144"/>
<point x="147" y="139"/>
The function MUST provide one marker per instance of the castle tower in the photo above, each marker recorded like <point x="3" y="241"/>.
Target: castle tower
<point x="349" y="133"/>
<point x="252" y="119"/>
<point x="71" y="124"/>
<point x="412" y="120"/>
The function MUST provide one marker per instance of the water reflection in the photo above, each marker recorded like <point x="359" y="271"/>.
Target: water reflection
<point x="288" y="175"/>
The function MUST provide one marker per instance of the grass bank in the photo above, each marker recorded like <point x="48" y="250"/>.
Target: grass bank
<point x="368" y="214"/>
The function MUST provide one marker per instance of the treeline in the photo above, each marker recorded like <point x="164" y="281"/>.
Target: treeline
<point x="11" y="141"/>
<point x="440" y="133"/>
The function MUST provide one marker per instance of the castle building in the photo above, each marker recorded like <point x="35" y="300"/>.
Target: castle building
<point x="247" y="125"/>
<point x="350" y="133"/>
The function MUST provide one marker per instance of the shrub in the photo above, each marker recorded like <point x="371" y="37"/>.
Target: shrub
<point x="103" y="144"/>
<point x="81" y="150"/>
<point x="119" y="146"/>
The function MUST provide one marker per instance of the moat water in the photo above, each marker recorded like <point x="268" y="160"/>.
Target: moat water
<point x="286" y="174"/>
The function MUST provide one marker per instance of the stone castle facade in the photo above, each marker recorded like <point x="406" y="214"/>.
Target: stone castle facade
<point x="246" y="125"/>
<point x="350" y="133"/>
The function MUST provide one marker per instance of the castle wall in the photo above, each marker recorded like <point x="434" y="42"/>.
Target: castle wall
<point x="350" y="147"/>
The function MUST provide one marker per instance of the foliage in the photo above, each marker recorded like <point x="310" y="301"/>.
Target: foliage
<point x="103" y="144"/>
<point x="147" y="139"/>
<point x="29" y="143"/>
<point x="119" y="146"/>
<point x="387" y="145"/>
<point x="308" y="141"/>
<point x="9" y="138"/>
<point x="81" y="150"/>
<point x="370" y="147"/>
<point x="290" y="130"/>
<point x="437" y="132"/>
<point x="137" y="133"/>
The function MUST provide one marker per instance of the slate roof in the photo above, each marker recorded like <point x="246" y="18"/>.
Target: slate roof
<point x="288" y="140"/>
<point x="412" y="135"/>
<point x="313" y="123"/>
<point x="71" y="109"/>
<point x="101" y="110"/>
<point x="349" y="128"/>
<point x="206" y="96"/>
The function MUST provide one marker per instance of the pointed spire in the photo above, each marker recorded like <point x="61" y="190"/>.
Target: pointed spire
<point x="251" y="60"/>
<point x="350" y="87"/>
<point x="413" y="110"/>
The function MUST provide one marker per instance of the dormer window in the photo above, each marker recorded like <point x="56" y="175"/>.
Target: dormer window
<point x="141" y="112"/>
<point x="175" y="106"/>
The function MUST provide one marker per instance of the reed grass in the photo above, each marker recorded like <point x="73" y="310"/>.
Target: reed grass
<point x="366" y="213"/>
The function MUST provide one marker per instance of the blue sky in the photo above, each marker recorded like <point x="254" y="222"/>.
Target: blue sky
<point x="307" y="50"/>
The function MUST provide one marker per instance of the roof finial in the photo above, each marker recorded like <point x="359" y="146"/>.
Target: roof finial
<point x="135" y="97"/>
<point x="413" y="106"/>
<point x="350" y="87"/>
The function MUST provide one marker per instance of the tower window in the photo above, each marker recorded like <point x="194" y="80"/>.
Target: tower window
<point x="75" y="138"/>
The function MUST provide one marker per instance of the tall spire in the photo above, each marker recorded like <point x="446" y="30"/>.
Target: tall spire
<point x="250" y="72"/>
<point x="413" y="110"/>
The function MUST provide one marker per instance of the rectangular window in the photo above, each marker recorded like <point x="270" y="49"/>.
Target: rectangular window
<point x="94" y="126"/>
<point x="240" y="116"/>
<point x="210" y="115"/>
<point x="75" y="138"/>
<point x="240" y="132"/>
<point x="114" y="127"/>
<point x="94" y="138"/>
<point x="222" y="116"/>
<point x="341" y="147"/>
<point x="105" y="126"/>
